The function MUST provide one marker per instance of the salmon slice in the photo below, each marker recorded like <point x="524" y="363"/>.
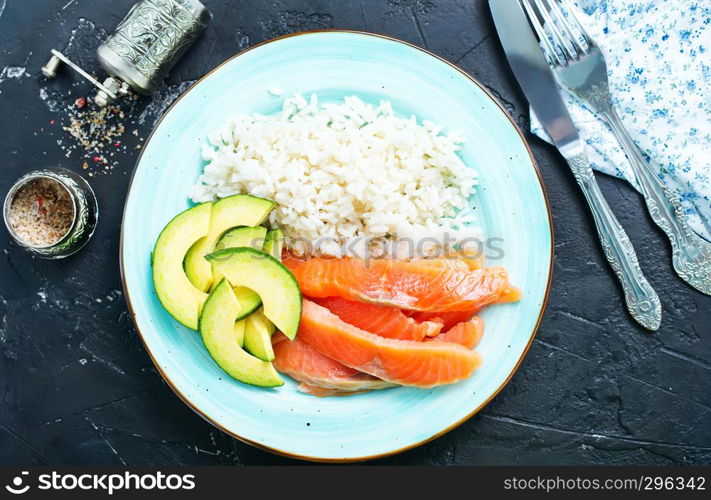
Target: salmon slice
<point x="304" y="364"/>
<point x="322" y="392"/>
<point x="380" y="320"/>
<point x="453" y="263"/>
<point x="473" y="260"/>
<point x="511" y="294"/>
<point x="406" y="362"/>
<point x="467" y="333"/>
<point x="454" y="259"/>
<point x="407" y="285"/>
<point x="449" y="319"/>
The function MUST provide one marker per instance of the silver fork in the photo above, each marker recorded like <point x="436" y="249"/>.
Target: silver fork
<point x="580" y="66"/>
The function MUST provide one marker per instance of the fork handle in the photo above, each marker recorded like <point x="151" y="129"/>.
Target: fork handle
<point x="691" y="254"/>
<point x="641" y="299"/>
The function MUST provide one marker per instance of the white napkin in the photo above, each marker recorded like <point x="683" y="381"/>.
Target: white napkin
<point x="658" y="55"/>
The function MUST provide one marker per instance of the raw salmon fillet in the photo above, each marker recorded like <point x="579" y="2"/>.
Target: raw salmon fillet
<point x="463" y="262"/>
<point x="449" y="319"/>
<point x="381" y="320"/>
<point x="453" y="263"/>
<point x="455" y="260"/>
<point x="323" y="392"/>
<point x="467" y="333"/>
<point x="405" y="362"/>
<point x="319" y="375"/>
<point x="407" y="285"/>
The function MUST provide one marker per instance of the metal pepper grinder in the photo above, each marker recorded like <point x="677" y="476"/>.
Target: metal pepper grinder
<point x="146" y="44"/>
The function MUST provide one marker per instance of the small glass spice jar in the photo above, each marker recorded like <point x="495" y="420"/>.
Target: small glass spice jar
<point x="51" y="212"/>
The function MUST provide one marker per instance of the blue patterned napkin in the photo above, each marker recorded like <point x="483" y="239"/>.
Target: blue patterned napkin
<point x="659" y="65"/>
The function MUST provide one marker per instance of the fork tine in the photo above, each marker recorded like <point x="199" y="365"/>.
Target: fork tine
<point x="572" y="14"/>
<point x="572" y="35"/>
<point x="553" y="55"/>
<point x="563" y="43"/>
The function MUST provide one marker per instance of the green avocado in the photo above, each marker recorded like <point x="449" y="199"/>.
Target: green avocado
<point x="258" y="333"/>
<point x="274" y="243"/>
<point x="175" y="291"/>
<point x="239" y="331"/>
<point x="268" y="277"/>
<point x="252" y="237"/>
<point x="250" y="301"/>
<point x="217" y="328"/>
<point x="233" y="211"/>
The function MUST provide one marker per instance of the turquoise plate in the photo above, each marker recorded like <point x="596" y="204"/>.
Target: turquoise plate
<point x="511" y="203"/>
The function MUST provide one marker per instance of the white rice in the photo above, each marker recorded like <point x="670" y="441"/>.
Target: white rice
<point x="347" y="177"/>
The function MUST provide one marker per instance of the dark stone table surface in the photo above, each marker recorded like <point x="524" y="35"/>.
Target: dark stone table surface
<point x="77" y="386"/>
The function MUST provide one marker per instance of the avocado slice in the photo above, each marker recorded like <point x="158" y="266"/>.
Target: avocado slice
<point x="239" y="331"/>
<point x="274" y="243"/>
<point x="175" y="291"/>
<point x="258" y="336"/>
<point x="217" y="327"/>
<point x="250" y="301"/>
<point x="268" y="277"/>
<point x="252" y="237"/>
<point x="242" y="237"/>
<point x="229" y="212"/>
<point x="259" y="330"/>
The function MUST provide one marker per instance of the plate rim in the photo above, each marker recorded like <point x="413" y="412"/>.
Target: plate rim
<point x="447" y="429"/>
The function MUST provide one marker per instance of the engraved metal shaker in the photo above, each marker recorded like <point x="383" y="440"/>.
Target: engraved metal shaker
<point x="146" y="44"/>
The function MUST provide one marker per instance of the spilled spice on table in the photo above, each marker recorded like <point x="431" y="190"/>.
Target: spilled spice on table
<point x="96" y="133"/>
